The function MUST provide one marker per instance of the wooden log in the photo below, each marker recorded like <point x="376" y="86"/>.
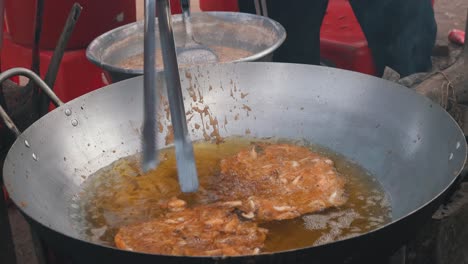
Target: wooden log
<point x="449" y="87"/>
<point x="22" y="104"/>
<point x="443" y="240"/>
<point x="445" y="87"/>
<point x="21" y="107"/>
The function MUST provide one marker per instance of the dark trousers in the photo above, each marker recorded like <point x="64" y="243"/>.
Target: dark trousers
<point x="400" y="33"/>
<point x="302" y="20"/>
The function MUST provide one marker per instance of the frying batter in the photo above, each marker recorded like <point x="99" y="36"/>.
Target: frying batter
<point x="280" y="181"/>
<point x="262" y="183"/>
<point x="206" y="230"/>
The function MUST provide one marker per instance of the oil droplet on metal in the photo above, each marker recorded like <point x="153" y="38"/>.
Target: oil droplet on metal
<point x="34" y="156"/>
<point x="451" y="156"/>
<point x="26" y="143"/>
<point x="68" y="112"/>
<point x="74" y="122"/>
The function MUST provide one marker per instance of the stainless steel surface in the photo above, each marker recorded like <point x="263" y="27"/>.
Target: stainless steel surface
<point x="150" y="153"/>
<point x="186" y="170"/>
<point x="265" y="8"/>
<point x="39" y="82"/>
<point x="258" y="9"/>
<point x="257" y="34"/>
<point x="261" y="8"/>
<point x="193" y="52"/>
<point x="411" y="145"/>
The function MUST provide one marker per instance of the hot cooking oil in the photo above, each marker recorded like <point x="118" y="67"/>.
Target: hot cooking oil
<point x="120" y="195"/>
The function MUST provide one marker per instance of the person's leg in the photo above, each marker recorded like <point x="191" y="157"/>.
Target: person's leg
<point x="302" y="20"/>
<point x="400" y="33"/>
<point x="413" y="45"/>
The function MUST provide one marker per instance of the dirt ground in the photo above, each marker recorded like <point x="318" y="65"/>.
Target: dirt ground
<point x="22" y="238"/>
<point x="450" y="14"/>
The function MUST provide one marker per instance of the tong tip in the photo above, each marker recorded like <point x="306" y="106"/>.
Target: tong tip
<point x="149" y="165"/>
<point x="188" y="178"/>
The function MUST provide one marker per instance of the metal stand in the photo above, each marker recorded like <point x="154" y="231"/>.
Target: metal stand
<point x="7" y="248"/>
<point x="399" y="257"/>
<point x="39" y="248"/>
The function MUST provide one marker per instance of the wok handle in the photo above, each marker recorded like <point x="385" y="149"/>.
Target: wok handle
<point x="33" y="77"/>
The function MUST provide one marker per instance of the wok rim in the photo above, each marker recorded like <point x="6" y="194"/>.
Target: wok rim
<point x="92" y="56"/>
<point x="370" y="233"/>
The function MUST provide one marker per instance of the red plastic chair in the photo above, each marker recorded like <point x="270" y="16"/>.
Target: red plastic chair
<point x="96" y="18"/>
<point x="342" y="41"/>
<point x="75" y="77"/>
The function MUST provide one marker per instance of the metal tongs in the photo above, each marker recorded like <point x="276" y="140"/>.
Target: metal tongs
<point x="187" y="173"/>
<point x="261" y="7"/>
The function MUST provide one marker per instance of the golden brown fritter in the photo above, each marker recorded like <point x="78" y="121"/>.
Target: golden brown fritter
<point x="279" y="181"/>
<point x="205" y="230"/>
<point x="265" y="183"/>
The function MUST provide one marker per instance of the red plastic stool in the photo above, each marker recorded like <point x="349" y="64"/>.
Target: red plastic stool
<point x="342" y="40"/>
<point x="176" y="8"/>
<point x="76" y="75"/>
<point x="97" y="17"/>
<point x="14" y="79"/>
<point x="217" y="5"/>
<point x="5" y="194"/>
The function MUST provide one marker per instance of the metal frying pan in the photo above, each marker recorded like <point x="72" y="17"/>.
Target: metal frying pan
<point x="414" y="148"/>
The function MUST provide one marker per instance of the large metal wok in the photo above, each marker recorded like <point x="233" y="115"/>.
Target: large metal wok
<point x="414" y="148"/>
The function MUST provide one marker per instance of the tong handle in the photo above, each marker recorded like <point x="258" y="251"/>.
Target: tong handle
<point x="187" y="173"/>
<point x="150" y="153"/>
